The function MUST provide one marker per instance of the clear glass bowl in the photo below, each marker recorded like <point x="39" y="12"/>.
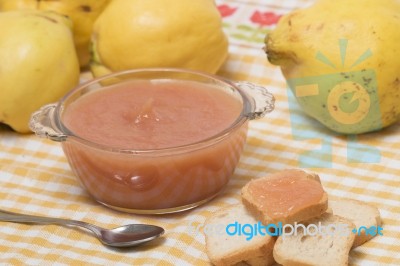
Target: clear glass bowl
<point x="158" y="180"/>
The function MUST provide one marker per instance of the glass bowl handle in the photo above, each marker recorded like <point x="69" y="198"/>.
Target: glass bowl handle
<point x="263" y="100"/>
<point x="42" y="123"/>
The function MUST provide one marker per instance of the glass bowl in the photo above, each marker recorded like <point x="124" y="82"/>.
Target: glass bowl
<point x="154" y="180"/>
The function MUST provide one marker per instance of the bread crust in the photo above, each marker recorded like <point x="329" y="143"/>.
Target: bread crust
<point x="303" y="214"/>
<point x="257" y="256"/>
<point x="282" y="256"/>
<point x="373" y="212"/>
<point x="266" y="252"/>
<point x="258" y="253"/>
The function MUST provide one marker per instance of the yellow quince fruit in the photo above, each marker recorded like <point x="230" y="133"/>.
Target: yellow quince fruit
<point x="83" y="14"/>
<point x="339" y="59"/>
<point x="158" y="33"/>
<point x="8" y="5"/>
<point x="38" y="63"/>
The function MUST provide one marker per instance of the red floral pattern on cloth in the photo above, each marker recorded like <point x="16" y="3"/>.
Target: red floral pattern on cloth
<point x="226" y="10"/>
<point x="265" y="18"/>
<point x="247" y="24"/>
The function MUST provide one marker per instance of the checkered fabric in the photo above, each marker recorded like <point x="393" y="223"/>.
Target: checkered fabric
<point x="36" y="179"/>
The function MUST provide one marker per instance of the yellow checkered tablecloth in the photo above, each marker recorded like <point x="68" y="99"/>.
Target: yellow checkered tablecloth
<point x="36" y="179"/>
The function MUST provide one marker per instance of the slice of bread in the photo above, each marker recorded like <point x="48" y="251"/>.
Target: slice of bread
<point x="299" y="197"/>
<point x="316" y="248"/>
<point x="361" y="214"/>
<point x="225" y="249"/>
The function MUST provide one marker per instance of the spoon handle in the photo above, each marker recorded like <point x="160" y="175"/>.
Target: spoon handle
<point x="25" y="218"/>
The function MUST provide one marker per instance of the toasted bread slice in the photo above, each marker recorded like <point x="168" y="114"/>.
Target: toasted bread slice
<point x="225" y="249"/>
<point x="331" y="247"/>
<point x="286" y="197"/>
<point x="362" y="214"/>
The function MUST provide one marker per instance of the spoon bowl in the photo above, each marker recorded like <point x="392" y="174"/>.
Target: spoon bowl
<point x="130" y="235"/>
<point x="123" y="236"/>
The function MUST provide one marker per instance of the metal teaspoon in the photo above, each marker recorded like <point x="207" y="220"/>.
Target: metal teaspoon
<point x="124" y="236"/>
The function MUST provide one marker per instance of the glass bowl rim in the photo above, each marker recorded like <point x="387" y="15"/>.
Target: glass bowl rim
<point x="209" y="141"/>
